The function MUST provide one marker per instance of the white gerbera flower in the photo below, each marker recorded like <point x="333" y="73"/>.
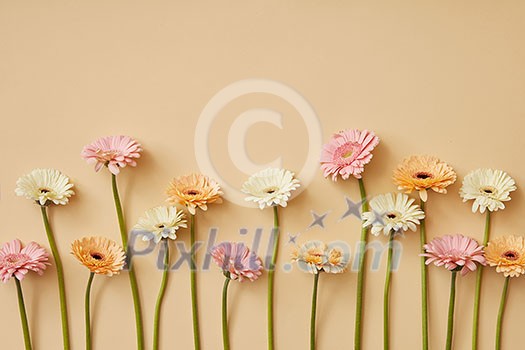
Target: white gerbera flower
<point x="161" y="222"/>
<point x="392" y="213"/>
<point x="488" y="187"/>
<point x="45" y="186"/>
<point x="270" y="187"/>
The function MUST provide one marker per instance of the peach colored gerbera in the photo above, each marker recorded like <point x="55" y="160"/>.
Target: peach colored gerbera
<point x="507" y="254"/>
<point x="347" y="153"/>
<point x="421" y="173"/>
<point x="115" y="152"/>
<point x="17" y="260"/>
<point x="316" y="256"/>
<point x="455" y="252"/>
<point x="192" y="191"/>
<point x="100" y="255"/>
<point x="237" y="261"/>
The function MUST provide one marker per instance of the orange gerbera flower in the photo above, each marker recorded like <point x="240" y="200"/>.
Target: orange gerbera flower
<point x="195" y="190"/>
<point x="100" y="255"/>
<point x="507" y="254"/>
<point x="421" y="173"/>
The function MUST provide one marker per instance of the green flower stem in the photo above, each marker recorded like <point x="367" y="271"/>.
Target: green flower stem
<point x="23" y="315"/>
<point x="479" y="274"/>
<point x="386" y="294"/>
<point x="193" y="285"/>
<point x="271" y="271"/>
<point x="87" y="311"/>
<point x="162" y="291"/>
<point x="225" y="334"/>
<point x="424" y="280"/>
<point x="361" y="271"/>
<point x="131" y="271"/>
<point x="501" y="312"/>
<point x="314" y="310"/>
<point x="60" y="276"/>
<point x="450" y="327"/>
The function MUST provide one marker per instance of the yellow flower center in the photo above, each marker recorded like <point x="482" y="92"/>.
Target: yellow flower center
<point x="487" y="190"/>
<point x="106" y="155"/>
<point x="270" y="190"/>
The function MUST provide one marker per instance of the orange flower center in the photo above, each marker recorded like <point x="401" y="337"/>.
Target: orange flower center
<point x="422" y="175"/>
<point x="510" y="255"/>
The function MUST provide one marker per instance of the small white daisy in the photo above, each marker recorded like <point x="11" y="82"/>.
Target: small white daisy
<point x="161" y="222"/>
<point x="270" y="187"/>
<point x="392" y="213"/>
<point x="45" y="186"/>
<point x="489" y="188"/>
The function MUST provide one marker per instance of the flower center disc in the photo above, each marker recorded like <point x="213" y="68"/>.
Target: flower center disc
<point x="43" y="190"/>
<point x="192" y="192"/>
<point x="423" y="175"/>
<point x="270" y="190"/>
<point x="97" y="256"/>
<point x="488" y="190"/>
<point x="15" y="259"/>
<point x="347" y="153"/>
<point x="511" y="255"/>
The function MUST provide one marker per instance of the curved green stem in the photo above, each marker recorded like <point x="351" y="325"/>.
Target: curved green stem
<point x="424" y="280"/>
<point x="225" y="334"/>
<point x="386" y="294"/>
<point x="162" y="291"/>
<point x="501" y="311"/>
<point x="479" y="274"/>
<point x="450" y="327"/>
<point x="23" y="315"/>
<point x="271" y="271"/>
<point x="131" y="271"/>
<point x="361" y="271"/>
<point x="193" y="285"/>
<point x="60" y="276"/>
<point x="314" y="310"/>
<point x="87" y="311"/>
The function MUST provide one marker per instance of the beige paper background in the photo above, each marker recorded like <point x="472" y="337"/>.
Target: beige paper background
<point x="429" y="77"/>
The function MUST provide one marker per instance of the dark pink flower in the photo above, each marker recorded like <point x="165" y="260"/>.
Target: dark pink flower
<point x="16" y="260"/>
<point x="455" y="252"/>
<point x="237" y="261"/>
<point x="115" y="152"/>
<point x="347" y="153"/>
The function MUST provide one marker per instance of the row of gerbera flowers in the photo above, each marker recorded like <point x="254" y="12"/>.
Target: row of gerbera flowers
<point x="344" y="155"/>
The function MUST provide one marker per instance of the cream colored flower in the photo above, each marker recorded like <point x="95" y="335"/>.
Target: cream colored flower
<point x="489" y="188"/>
<point x="270" y="187"/>
<point x="316" y="256"/>
<point x="45" y="186"/>
<point x="100" y="255"/>
<point x="392" y="213"/>
<point x="192" y="191"/>
<point x="507" y="254"/>
<point x="161" y="222"/>
<point x="421" y="173"/>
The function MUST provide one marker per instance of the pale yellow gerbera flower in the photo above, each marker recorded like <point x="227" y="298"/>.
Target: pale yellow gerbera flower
<point x="161" y="222"/>
<point x="100" y="255"/>
<point x="421" y="173"/>
<point x="489" y="188"/>
<point x="507" y="254"/>
<point x="192" y="191"/>
<point x="45" y="186"/>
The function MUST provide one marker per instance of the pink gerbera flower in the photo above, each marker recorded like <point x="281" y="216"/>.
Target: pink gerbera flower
<point x="455" y="252"/>
<point x="347" y="153"/>
<point x="115" y="152"/>
<point x="16" y="260"/>
<point x="237" y="261"/>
